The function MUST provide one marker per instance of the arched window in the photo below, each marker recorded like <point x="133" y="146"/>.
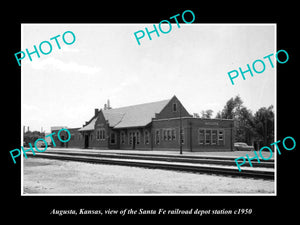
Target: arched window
<point x="130" y="137"/>
<point x="157" y="137"/>
<point x="138" y="137"/>
<point x="100" y="134"/>
<point x="122" y="136"/>
<point x="146" y="137"/>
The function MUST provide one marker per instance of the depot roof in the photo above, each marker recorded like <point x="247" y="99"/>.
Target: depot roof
<point x="129" y="116"/>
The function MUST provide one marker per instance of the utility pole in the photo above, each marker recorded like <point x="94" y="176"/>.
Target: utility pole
<point x="180" y="129"/>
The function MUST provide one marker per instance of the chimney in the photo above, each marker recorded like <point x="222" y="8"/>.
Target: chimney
<point x="105" y="107"/>
<point x="96" y="112"/>
<point x="108" y="104"/>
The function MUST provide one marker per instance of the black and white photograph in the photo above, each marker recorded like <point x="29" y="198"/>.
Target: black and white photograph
<point x="163" y="117"/>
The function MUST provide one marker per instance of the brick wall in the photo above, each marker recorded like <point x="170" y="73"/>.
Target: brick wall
<point x="167" y="131"/>
<point x="135" y="138"/>
<point x="173" y="109"/>
<point x="214" y="126"/>
<point x="76" y="140"/>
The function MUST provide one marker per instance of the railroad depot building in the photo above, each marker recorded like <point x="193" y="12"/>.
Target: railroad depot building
<point x="151" y="126"/>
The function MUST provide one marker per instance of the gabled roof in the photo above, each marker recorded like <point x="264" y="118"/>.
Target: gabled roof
<point x="129" y="116"/>
<point x="90" y="125"/>
<point x="134" y="116"/>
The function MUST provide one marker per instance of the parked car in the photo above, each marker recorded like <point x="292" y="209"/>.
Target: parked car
<point x="241" y="146"/>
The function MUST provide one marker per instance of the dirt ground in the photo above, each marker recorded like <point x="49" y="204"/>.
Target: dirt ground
<point x="48" y="176"/>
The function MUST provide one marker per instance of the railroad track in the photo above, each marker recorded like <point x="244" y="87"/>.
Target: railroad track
<point x="198" y="164"/>
<point x="217" y="160"/>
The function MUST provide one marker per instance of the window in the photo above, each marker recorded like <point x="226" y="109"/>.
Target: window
<point x="97" y="135"/>
<point x="157" y="137"/>
<point x="122" y="137"/>
<point x="103" y="134"/>
<point x="207" y="137"/>
<point x="210" y="137"/>
<point x="137" y="134"/>
<point x="174" y="107"/>
<point x="100" y="134"/>
<point x="165" y="134"/>
<point x="221" y="137"/>
<point x="112" y="138"/>
<point x="214" y="134"/>
<point x="169" y="134"/>
<point x="201" y="137"/>
<point x="146" y="137"/>
<point x="173" y="134"/>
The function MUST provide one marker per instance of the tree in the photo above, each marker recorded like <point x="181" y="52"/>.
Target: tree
<point x="206" y="114"/>
<point x="231" y="108"/>
<point x="196" y="115"/>
<point x="249" y="128"/>
<point x="264" y="125"/>
<point x="243" y="130"/>
<point x="245" y="126"/>
<point x="32" y="136"/>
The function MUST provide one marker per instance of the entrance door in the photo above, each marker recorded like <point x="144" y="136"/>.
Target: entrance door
<point x="133" y="142"/>
<point x="86" y="141"/>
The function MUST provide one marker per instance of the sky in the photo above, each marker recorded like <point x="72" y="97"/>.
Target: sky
<point x="105" y="62"/>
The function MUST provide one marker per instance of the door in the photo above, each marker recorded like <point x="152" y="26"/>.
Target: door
<point x="86" y="141"/>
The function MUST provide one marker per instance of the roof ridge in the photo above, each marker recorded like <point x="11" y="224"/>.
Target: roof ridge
<point x="107" y="110"/>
